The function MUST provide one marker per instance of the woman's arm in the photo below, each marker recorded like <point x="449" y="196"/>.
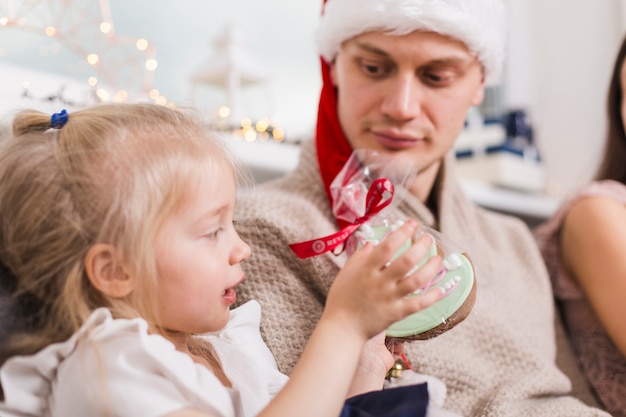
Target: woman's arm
<point x="593" y="241"/>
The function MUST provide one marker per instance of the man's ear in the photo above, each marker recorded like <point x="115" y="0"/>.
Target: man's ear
<point x="105" y="273"/>
<point x="332" y="71"/>
<point x="479" y="95"/>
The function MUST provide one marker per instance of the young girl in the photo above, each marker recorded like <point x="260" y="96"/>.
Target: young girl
<point x="116" y="222"/>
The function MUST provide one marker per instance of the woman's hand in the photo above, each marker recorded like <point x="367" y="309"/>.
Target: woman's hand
<point x="375" y="361"/>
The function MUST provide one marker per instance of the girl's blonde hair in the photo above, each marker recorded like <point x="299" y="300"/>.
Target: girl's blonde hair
<point x="112" y="174"/>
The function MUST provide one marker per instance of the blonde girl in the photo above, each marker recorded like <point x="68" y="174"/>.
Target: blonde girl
<point x="116" y="222"/>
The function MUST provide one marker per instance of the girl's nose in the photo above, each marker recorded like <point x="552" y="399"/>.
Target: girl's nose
<point x="241" y="252"/>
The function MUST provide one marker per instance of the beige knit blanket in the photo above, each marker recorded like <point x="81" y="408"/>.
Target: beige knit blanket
<point x="500" y="361"/>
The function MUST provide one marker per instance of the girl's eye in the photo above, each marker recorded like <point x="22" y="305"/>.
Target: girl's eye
<point x="214" y="233"/>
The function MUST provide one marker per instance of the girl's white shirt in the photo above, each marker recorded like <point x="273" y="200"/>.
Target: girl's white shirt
<point x="113" y="367"/>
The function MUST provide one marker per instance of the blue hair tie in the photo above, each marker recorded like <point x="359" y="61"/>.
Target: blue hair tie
<point x="58" y="120"/>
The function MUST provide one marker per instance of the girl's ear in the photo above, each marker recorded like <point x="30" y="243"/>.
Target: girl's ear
<point x="105" y="273"/>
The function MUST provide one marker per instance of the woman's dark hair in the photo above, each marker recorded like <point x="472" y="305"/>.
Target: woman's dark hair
<point x="613" y="165"/>
<point x="20" y="312"/>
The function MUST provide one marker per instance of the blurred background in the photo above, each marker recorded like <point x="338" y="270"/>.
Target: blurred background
<point x="252" y="67"/>
<point x="271" y="43"/>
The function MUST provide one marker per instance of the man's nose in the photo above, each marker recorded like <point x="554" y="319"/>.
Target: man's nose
<point x="403" y="98"/>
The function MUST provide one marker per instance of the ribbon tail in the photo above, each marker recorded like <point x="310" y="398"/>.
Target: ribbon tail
<point x="321" y="245"/>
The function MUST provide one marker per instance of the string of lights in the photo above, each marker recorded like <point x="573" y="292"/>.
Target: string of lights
<point x="117" y="67"/>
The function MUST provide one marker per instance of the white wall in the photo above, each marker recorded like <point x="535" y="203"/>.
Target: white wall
<point x="574" y="46"/>
<point x="561" y="56"/>
<point x="279" y="35"/>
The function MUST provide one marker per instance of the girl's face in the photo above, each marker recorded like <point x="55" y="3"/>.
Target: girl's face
<point x="199" y="257"/>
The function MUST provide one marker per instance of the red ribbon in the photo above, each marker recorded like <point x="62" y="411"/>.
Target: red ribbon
<point x="378" y="197"/>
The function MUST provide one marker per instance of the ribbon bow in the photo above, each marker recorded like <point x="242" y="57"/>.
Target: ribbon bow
<point x="378" y="197"/>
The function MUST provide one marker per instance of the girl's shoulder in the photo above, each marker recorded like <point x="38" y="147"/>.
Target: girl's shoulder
<point x="107" y="363"/>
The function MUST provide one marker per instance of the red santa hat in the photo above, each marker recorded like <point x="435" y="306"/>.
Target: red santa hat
<point x="479" y="24"/>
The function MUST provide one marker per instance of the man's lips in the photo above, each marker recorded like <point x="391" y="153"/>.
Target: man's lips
<point x="397" y="140"/>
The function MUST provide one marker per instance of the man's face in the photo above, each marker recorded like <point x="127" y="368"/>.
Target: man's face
<point x="406" y="94"/>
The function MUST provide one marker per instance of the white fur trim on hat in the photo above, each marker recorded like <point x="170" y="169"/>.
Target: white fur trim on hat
<point x="480" y="24"/>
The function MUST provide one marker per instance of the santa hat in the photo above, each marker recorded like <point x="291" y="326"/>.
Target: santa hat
<point x="480" y="24"/>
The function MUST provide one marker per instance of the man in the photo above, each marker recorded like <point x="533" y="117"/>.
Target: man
<point x="398" y="78"/>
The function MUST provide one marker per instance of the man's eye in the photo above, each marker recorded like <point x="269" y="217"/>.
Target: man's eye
<point x="375" y="69"/>
<point x="372" y="69"/>
<point x="434" y="78"/>
<point x="437" y="78"/>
